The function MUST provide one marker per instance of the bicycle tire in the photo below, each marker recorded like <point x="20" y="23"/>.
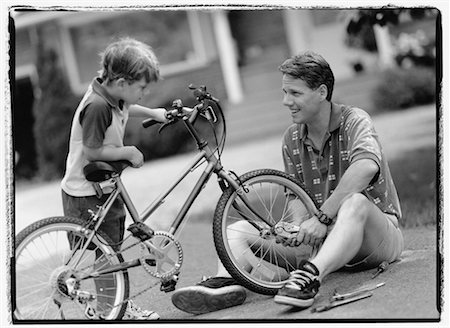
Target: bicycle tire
<point x="266" y="189"/>
<point x="44" y="260"/>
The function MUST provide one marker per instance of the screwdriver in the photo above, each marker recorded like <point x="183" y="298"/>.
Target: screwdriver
<point x="334" y="304"/>
<point x="381" y="268"/>
<point x="338" y="297"/>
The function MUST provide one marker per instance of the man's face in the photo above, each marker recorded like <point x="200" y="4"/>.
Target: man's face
<point x="303" y="102"/>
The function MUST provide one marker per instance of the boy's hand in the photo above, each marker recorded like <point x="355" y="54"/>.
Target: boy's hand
<point x="135" y="156"/>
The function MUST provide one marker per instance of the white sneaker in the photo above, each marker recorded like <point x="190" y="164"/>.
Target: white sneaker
<point x="134" y="312"/>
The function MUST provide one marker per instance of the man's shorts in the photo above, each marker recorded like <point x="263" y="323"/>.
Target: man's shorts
<point x="114" y="222"/>
<point x="389" y="249"/>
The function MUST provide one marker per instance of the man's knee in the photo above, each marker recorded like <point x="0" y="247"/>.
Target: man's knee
<point x="354" y="207"/>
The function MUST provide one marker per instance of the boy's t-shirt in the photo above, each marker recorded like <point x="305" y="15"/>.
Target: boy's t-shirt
<point x="99" y="120"/>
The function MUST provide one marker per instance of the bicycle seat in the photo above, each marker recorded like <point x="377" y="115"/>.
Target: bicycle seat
<point x="100" y="171"/>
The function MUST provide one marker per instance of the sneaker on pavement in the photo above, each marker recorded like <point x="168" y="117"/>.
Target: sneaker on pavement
<point x="134" y="312"/>
<point x="301" y="288"/>
<point x="211" y="294"/>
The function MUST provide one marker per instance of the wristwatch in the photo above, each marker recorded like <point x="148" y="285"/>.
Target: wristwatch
<point x="323" y="218"/>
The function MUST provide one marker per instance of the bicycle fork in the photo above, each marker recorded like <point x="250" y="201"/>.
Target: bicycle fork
<point x="233" y="180"/>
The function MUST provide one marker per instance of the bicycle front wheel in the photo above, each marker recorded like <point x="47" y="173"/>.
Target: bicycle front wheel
<point x="244" y="238"/>
<point x="55" y="278"/>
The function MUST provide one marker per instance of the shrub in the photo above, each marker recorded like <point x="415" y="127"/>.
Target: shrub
<point x="53" y="113"/>
<point x="403" y="88"/>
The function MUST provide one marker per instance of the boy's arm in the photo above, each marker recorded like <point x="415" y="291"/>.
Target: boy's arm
<point x="95" y="119"/>
<point x="158" y="114"/>
<point x="111" y="153"/>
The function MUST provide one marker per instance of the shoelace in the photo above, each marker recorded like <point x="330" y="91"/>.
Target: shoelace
<point x="299" y="279"/>
<point x="136" y="310"/>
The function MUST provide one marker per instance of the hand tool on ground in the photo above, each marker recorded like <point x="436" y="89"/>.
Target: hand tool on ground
<point x="358" y="291"/>
<point x="340" y="299"/>
<point x="347" y="300"/>
<point x="381" y="268"/>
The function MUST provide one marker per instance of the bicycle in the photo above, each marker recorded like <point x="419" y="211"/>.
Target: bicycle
<point x="67" y="268"/>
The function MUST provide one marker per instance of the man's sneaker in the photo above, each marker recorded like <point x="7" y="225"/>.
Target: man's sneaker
<point x="301" y="288"/>
<point x="134" y="312"/>
<point x="211" y="294"/>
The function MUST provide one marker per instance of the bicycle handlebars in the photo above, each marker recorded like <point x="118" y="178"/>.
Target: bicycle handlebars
<point x="178" y="111"/>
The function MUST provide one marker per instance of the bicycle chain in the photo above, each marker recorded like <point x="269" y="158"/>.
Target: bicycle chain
<point x="147" y="267"/>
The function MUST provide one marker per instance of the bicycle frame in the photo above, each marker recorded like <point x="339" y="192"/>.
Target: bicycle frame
<point x="213" y="166"/>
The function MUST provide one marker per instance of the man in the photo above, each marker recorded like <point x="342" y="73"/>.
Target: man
<point x="334" y="150"/>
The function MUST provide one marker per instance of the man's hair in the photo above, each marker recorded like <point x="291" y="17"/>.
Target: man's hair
<point x="129" y="59"/>
<point x="311" y="68"/>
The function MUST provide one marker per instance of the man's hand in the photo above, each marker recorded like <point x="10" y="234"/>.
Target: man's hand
<point x="311" y="232"/>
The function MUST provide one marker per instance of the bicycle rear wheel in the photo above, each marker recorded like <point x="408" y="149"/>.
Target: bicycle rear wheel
<point x="246" y="244"/>
<point x="47" y="254"/>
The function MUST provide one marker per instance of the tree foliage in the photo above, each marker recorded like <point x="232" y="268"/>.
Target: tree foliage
<point x="360" y="23"/>
<point x="383" y="16"/>
<point x="53" y="113"/>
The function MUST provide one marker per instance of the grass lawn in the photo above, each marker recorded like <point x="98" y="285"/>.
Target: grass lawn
<point x="415" y="176"/>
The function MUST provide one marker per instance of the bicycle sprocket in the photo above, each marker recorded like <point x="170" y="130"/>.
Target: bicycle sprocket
<point x="166" y="260"/>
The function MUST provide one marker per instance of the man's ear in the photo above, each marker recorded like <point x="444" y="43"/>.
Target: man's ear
<point x="323" y="90"/>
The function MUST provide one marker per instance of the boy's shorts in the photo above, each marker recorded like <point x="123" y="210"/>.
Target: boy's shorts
<point x="389" y="249"/>
<point x="114" y="222"/>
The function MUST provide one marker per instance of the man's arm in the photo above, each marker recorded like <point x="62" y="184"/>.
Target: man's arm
<point x="355" y="179"/>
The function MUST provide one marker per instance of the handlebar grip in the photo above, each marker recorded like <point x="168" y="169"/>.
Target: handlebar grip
<point x="194" y="115"/>
<point x="149" y="122"/>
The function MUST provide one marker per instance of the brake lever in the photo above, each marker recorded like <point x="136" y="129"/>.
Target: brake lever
<point x="164" y="125"/>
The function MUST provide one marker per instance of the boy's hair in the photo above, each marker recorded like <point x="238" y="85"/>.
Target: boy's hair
<point x="311" y="68"/>
<point x="129" y="59"/>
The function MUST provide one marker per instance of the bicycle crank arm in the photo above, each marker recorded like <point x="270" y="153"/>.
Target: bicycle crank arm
<point x="113" y="268"/>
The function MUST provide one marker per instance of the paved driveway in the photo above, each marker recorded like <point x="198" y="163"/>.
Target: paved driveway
<point x="411" y="284"/>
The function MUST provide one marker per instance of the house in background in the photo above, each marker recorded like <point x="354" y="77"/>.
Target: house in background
<point x="235" y="53"/>
<point x="184" y="40"/>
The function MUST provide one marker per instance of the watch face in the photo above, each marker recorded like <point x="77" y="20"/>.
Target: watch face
<point x="325" y="219"/>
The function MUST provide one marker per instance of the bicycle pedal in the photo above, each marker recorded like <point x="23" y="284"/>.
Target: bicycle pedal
<point x="168" y="285"/>
<point x="141" y="231"/>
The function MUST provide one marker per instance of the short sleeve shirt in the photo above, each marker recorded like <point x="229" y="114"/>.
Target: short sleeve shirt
<point x="98" y="121"/>
<point x="351" y="136"/>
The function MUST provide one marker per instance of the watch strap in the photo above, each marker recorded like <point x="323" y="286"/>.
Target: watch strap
<point x="323" y="218"/>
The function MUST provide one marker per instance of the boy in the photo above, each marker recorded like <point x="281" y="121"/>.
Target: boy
<point x="98" y="127"/>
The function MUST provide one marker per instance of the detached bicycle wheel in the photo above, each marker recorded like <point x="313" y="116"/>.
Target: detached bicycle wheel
<point x="245" y="238"/>
<point x="52" y="273"/>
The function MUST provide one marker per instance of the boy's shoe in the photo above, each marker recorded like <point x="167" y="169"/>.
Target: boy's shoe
<point x="301" y="288"/>
<point x="134" y="312"/>
<point x="211" y="294"/>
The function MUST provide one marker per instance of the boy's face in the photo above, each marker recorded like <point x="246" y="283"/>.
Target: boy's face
<point x="302" y="101"/>
<point x="133" y="92"/>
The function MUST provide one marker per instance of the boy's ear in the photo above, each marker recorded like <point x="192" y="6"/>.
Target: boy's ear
<point x="121" y="82"/>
